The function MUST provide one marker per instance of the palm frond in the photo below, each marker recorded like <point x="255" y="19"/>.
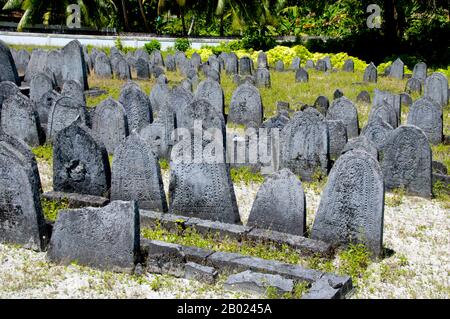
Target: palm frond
<point x="13" y="5"/>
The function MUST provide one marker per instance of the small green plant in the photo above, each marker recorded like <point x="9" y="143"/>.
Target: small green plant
<point x="182" y="44"/>
<point x="164" y="164"/>
<point x="441" y="191"/>
<point x="152" y="46"/>
<point x="118" y="43"/>
<point x="50" y="208"/>
<point x="246" y="175"/>
<point x="44" y="152"/>
<point x="354" y="260"/>
<point x="396" y="197"/>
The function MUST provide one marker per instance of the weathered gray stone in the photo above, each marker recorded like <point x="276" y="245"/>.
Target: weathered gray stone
<point x="385" y="98"/>
<point x="212" y="92"/>
<point x="54" y="61"/>
<point x="75" y="200"/>
<point x="406" y="99"/>
<point x="279" y="66"/>
<point x="200" y="273"/>
<point x="322" y="104"/>
<point x="170" y="63"/>
<point x="44" y="105"/>
<point x="20" y="120"/>
<point x="74" y="90"/>
<point x="21" y="59"/>
<point x="343" y="109"/>
<point x="384" y="111"/>
<point x="246" y="106"/>
<point x="136" y="175"/>
<point x="137" y="106"/>
<point x="397" y="69"/>
<point x="295" y="64"/>
<point x="427" y="115"/>
<point x="349" y="66"/>
<point x="105" y="238"/>
<point x="8" y="70"/>
<point x="109" y="124"/>
<point x="254" y="282"/>
<point x="329" y="287"/>
<point x="337" y="94"/>
<point x="74" y="66"/>
<point x="40" y="84"/>
<point x="21" y="218"/>
<point x="309" y="64"/>
<point x="413" y="85"/>
<point x="159" y="96"/>
<point x="102" y="67"/>
<point x="352" y="204"/>
<point x="262" y="77"/>
<point x="361" y="143"/>
<point x="377" y="131"/>
<point x="338" y="137"/>
<point x="371" y="73"/>
<point x="80" y="162"/>
<point x="142" y="69"/>
<point x="231" y="64"/>
<point x="305" y="143"/>
<point x="164" y="258"/>
<point x="37" y="63"/>
<point x="321" y="65"/>
<point x="363" y="97"/>
<point x="280" y="204"/>
<point x="245" y="66"/>
<point x="7" y="89"/>
<point x="436" y="88"/>
<point x="64" y="112"/>
<point x="122" y="70"/>
<point x="420" y="71"/>
<point x="407" y="161"/>
<point x="301" y="75"/>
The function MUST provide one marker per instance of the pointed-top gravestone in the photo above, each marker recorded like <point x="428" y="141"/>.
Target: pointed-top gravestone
<point x="7" y="89"/>
<point x="385" y="98"/>
<point x="377" y="131"/>
<point x="80" y="162"/>
<point x="427" y="115"/>
<point x="8" y="71"/>
<point x="232" y="64"/>
<point x="301" y="75"/>
<point x="64" y="112"/>
<point x="262" y="78"/>
<point x="397" y="69"/>
<point x="102" y="67"/>
<point x="349" y="66"/>
<point x="279" y="66"/>
<point x="20" y="120"/>
<point x="109" y="124"/>
<point x="309" y="64"/>
<point x="44" y="105"/>
<point x="420" y="71"/>
<point x="136" y="175"/>
<point x="305" y="144"/>
<point x="295" y="63"/>
<point x="246" y="106"/>
<point x="212" y="92"/>
<point x="74" y="66"/>
<point x="371" y="73"/>
<point x="245" y="66"/>
<point x="159" y="94"/>
<point x="21" y="59"/>
<point x="142" y="69"/>
<point x="38" y="62"/>
<point x="413" y="85"/>
<point x="262" y="60"/>
<point x="322" y="104"/>
<point x="361" y="143"/>
<point x="280" y="204"/>
<point x="351" y="208"/>
<point x="338" y="137"/>
<point x="436" y="88"/>
<point x="343" y="109"/>
<point x="385" y="112"/>
<point x="21" y="218"/>
<point x="407" y="161"/>
<point x="74" y="90"/>
<point x="40" y="84"/>
<point x="106" y="238"/>
<point x="137" y="106"/>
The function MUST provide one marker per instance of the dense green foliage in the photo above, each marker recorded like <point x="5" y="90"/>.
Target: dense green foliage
<point x="152" y="46"/>
<point x="182" y="44"/>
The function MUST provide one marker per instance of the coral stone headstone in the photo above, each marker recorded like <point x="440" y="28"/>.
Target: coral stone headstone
<point x="137" y="106"/>
<point x="436" y="88"/>
<point x="351" y="208"/>
<point x="397" y="69"/>
<point x="262" y="78"/>
<point x="8" y="70"/>
<point x="246" y="106"/>
<point x="343" y="109"/>
<point x="377" y="131"/>
<point x="301" y="75"/>
<point x="371" y="73"/>
<point x="74" y="65"/>
<point x="427" y="115"/>
<point x="212" y="92"/>
<point x="245" y="66"/>
<point x="338" y="137"/>
<point x="102" y="66"/>
<point x="64" y="112"/>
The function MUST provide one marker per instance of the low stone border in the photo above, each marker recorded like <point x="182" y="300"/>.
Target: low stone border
<point x="305" y="246"/>
<point x="77" y="200"/>
<point x="167" y="258"/>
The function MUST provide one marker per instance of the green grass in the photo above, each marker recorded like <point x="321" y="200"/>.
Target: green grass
<point x="44" y="153"/>
<point x="245" y="175"/>
<point x="441" y="153"/>
<point x="396" y="197"/>
<point x="50" y="208"/>
<point x="164" y="164"/>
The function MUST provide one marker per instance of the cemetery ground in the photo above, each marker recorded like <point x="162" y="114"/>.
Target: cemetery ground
<point x="416" y="242"/>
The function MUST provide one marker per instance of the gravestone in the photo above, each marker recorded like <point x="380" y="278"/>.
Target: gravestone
<point x="196" y="60"/>
<point x="187" y="84"/>
<point x="44" y="105"/>
<point x="427" y="115"/>
<point x="377" y="131"/>
<point x="283" y="106"/>
<point x="349" y="66"/>
<point x="7" y="89"/>
<point x="80" y="162"/>
<point x="262" y="60"/>
<point x="322" y="104"/>
<point x="280" y="204"/>
<point x="156" y="58"/>
<point x="213" y="74"/>
<point x="156" y="71"/>
<point x="21" y="218"/>
<point x="137" y="107"/>
<point x="109" y="124"/>
<point x="262" y="78"/>
<point x="279" y="66"/>
<point x="301" y="75"/>
<point x="381" y="98"/>
<point x="20" y="120"/>
<point x="142" y="54"/>
<point x="361" y="143"/>
<point x="232" y="64"/>
<point x="397" y="69"/>
<point x="74" y="90"/>
<point x="38" y="62"/>
<point x="295" y="64"/>
<point x="74" y="66"/>
<point x="202" y="190"/>
<point x="405" y="99"/>
<point x="309" y="64"/>
<point x="321" y="66"/>
<point x="343" y="109"/>
<point x="327" y="60"/>
<point x="245" y="66"/>
<point x="305" y="144"/>
<point x="246" y="106"/>
<point x="170" y="63"/>
<point x="54" y="64"/>
<point x="64" y="112"/>
<point x="371" y="73"/>
<point x="413" y="85"/>
<point x="179" y="98"/>
<point x="407" y="161"/>
<point x="8" y="70"/>
<point x="363" y="97"/>
<point x="136" y="175"/>
<point x="337" y="94"/>
<point x="338" y="137"/>
<point x="142" y="69"/>
<point x="21" y="59"/>
<point x="102" y="66"/>
<point x="351" y="208"/>
<point x="385" y="112"/>
<point x="106" y="238"/>
<point x="420" y="71"/>
<point x="159" y="95"/>
<point x="212" y="92"/>
<point x="214" y="63"/>
<point x="40" y="84"/>
<point x="123" y="71"/>
<point x="436" y="88"/>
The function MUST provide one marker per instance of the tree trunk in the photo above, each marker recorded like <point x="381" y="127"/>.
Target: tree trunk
<point x="221" y="26"/>
<point x="125" y="16"/>
<point x="390" y="29"/>
<point x="182" y="21"/>
<point x="141" y="8"/>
